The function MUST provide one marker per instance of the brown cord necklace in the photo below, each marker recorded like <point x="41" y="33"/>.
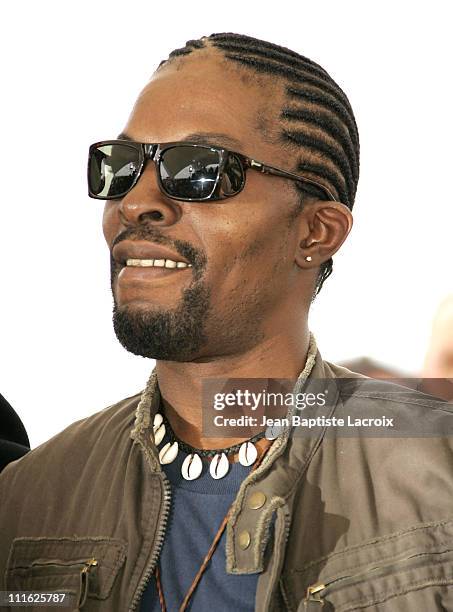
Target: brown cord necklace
<point x="208" y="556"/>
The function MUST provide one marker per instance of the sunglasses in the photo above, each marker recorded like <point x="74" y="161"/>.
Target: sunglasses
<point x="185" y="171"/>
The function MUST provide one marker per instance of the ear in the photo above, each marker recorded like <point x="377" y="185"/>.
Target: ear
<point x="325" y="226"/>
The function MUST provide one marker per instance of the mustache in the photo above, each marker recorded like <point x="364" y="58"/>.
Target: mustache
<point x="195" y="256"/>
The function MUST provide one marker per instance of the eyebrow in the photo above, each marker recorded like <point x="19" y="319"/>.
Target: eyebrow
<point x="216" y="139"/>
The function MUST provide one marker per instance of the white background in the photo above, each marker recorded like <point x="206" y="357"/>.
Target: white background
<point x="70" y="74"/>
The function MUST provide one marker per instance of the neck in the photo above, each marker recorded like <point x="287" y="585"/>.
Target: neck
<point x="180" y="383"/>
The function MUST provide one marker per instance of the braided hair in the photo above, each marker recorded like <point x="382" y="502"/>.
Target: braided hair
<point x="316" y="120"/>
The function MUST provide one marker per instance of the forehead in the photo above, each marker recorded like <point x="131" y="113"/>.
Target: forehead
<point x="203" y="93"/>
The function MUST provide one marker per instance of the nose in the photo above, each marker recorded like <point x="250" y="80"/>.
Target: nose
<point x="146" y="204"/>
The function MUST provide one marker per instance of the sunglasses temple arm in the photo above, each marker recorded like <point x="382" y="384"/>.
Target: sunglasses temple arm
<point x="284" y="174"/>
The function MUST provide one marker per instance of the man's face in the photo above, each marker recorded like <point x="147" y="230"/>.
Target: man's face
<point x="243" y="282"/>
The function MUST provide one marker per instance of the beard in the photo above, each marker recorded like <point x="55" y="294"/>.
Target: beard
<point x="174" y="334"/>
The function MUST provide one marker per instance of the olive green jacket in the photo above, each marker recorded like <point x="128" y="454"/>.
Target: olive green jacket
<point x="361" y="523"/>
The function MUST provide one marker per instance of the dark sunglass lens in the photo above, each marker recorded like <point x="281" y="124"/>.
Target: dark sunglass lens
<point x="189" y="172"/>
<point x="233" y="176"/>
<point x="112" y="169"/>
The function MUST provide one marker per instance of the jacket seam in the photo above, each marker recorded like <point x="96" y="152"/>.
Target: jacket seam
<point x="384" y="596"/>
<point x="263" y="528"/>
<point x="371" y="543"/>
<point x="285" y="596"/>
<point x="393" y="558"/>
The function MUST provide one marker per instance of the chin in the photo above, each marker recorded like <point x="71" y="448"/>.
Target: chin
<point x="175" y="334"/>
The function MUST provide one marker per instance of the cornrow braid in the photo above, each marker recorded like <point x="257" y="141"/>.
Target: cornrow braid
<point x="317" y="120"/>
<point x="249" y="41"/>
<point x="190" y="46"/>
<point x="329" y="103"/>
<point x="331" y="127"/>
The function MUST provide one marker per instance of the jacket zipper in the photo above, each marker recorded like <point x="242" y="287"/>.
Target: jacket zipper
<point x="314" y="599"/>
<point x="158" y="546"/>
<point x="84" y="582"/>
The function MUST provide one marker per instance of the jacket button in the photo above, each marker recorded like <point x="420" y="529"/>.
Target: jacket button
<point x="257" y="500"/>
<point x="244" y="540"/>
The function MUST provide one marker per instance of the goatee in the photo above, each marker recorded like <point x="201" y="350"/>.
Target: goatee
<point x="172" y="334"/>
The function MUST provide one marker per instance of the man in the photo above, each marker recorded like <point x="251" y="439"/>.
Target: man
<point x="227" y="195"/>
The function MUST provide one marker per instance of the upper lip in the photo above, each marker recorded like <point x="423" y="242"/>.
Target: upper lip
<point x="142" y="249"/>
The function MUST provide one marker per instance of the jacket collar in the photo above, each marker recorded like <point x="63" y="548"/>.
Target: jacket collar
<point x="150" y="399"/>
<point x="275" y="483"/>
<point x="276" y="479"/>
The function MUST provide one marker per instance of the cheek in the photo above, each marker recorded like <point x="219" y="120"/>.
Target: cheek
<point x="255" y="261"/>
<point x="110" y="221"/>
<point x="248" y="239"/>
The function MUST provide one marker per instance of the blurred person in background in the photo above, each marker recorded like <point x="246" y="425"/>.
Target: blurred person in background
<point x="436" y="374"/>
<point x="439" y="357"/>
<point x="437" y="370"/>
<point x="14" y="441"/>
<point x="372" y="368"/>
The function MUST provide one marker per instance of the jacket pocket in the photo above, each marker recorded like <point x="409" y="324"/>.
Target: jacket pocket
<point x="404" y="572"/>
<point x="81" y="567"/>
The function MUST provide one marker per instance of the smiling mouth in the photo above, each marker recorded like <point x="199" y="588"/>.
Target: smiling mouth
<point x="157" y="263"/>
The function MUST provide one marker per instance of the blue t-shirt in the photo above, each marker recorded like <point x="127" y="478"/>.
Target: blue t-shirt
<point x="197" y="510"/>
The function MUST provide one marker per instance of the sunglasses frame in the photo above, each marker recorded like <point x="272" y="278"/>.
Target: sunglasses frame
<point x="154" y="152"/>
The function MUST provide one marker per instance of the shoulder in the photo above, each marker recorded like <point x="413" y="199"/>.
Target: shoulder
<point x="414" y="411"/>
<point x="396" y="419"/>
<point x="398" y="460"/>
<point x="404" y="395"/>
<point x="75" y="443"/>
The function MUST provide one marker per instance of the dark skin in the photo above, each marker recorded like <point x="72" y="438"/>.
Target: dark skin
<point x="261" y="284"/>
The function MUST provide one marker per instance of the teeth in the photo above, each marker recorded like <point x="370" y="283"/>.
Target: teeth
<point x="144" y="263"/>
<point x="157" y="263"/>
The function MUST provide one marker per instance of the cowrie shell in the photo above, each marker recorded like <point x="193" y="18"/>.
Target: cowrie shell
<point x="192" y="466"/>
<point x="219" y="466"/>
<point x="247" y="453"/>
<point x="158" y="420"/>
<point x="168" y="453"/>
<point x="159" y="434"/>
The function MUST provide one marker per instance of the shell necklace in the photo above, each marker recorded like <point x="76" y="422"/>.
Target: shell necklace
<point x="192" y="465"/>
